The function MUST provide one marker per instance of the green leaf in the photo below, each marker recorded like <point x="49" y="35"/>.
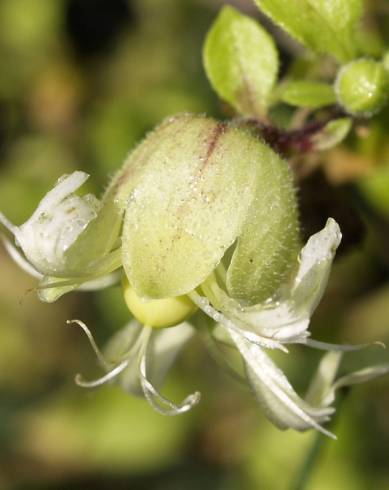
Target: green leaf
<point x="304" y="93"/>
<point x="241" y="62"/>
<point x="194" y="185"/>
<point x="322" y="25"/>
<point x="268" y="245"/>
<point x="332" y="134"/>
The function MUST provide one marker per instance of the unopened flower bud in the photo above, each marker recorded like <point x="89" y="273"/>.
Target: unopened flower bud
<point x="362" y="87"/>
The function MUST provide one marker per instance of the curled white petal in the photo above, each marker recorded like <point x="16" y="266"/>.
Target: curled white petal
<point x="161" y="404"/>
<point x="104" y="364"/>
<point x="156" y="400"/>
<point x="114" y="373"/>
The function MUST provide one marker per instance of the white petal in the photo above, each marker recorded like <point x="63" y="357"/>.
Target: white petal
<point x="234" y="324"/>
<point x="280" y="402"/>
<point x="315" y="265"/>
<point x="323" y="379"/>
<point x="286" y="319"/>
<point x="59" y="219"/>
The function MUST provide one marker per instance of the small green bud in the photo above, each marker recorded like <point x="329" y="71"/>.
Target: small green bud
<point x="158" y="313"/>
<point x="362" y="87"/>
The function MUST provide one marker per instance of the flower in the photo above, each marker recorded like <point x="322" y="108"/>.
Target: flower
<point x="69" y="241"/>
<point x="202" y="219"/>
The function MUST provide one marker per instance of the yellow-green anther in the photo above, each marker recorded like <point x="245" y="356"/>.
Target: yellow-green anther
<point x="158" y="313"/>
<point x="362" y="87"/>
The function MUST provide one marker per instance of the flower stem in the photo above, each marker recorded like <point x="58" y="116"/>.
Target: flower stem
<point x="306" y="470"/>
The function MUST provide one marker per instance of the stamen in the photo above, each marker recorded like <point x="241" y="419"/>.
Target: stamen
<point x="86" y="283"/>
<point x="316" y="344"/>
<point x="105" y="365"/>
<point x="18" y="257"/>
<point x="59" y="284"/>
<point x="80" y="381"/>
<point x="101" y="282"/>
<point x="156" y="400"/>
<point x="10" y="226"/>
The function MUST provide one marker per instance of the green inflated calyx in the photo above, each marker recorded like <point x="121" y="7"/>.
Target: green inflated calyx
<point x="158" y="313"/>
<point x="199" y="186"/>
<point x="362" y="87"/>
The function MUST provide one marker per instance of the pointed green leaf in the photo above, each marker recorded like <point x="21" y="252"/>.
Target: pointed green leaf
<point x="191" y="196"/>
<point x="322" y="25"/>
<point x="310" y="94"/>
<point x="332" y="134"/>
<point x="268" y="245"/>
<point x="241" y="62"/>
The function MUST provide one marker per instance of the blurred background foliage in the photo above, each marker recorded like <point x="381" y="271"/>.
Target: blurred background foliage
<point x="81" y="81"/>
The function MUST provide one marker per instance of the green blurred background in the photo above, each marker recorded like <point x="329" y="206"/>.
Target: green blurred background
<point x="81" y="81"/>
